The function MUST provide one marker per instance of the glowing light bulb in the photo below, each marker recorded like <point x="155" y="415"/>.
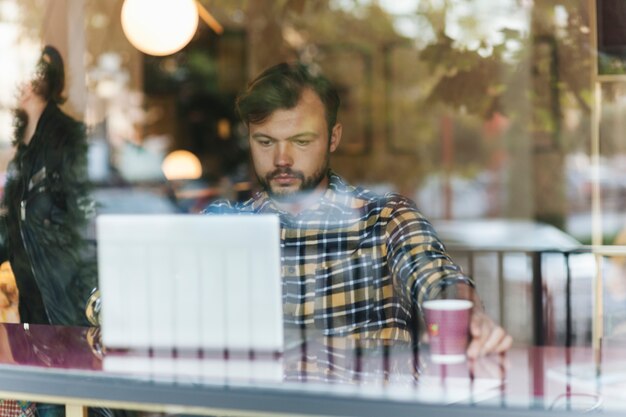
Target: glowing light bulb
<point x="159" y="27"/>
<point x="181" y="165"/>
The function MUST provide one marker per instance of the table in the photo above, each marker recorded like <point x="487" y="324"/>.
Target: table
<point x="322" y="377"/>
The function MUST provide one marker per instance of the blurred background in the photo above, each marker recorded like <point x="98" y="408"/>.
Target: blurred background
<point x="504" y="116"/>
<point x="473" y="108"/>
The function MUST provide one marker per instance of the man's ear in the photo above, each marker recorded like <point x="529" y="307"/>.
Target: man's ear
<point x="335" y="137"/>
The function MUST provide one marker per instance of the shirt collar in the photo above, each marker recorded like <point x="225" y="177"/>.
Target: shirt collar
<point x="333" y="196"/>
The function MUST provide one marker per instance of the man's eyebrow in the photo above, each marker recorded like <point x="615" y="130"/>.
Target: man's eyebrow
<point x="303" y="135"/>
<point x="261" y="136"/>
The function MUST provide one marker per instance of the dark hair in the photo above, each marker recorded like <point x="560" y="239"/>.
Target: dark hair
<point x="280" y="87"/>
<point x="49" y="80"/>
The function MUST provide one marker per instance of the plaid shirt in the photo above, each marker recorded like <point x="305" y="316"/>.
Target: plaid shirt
<point x="355" y="263"/>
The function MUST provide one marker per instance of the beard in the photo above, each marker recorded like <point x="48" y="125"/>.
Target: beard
<point x="20" y="122"/>
<point x="307" y="184"/>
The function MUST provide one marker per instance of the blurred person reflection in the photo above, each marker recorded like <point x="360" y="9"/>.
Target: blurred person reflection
<point x="355" y="263"/>
<point x="45" y="209"/>
<point x="46" y="203"/>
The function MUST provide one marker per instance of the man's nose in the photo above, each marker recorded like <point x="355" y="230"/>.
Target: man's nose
<point x="282" y="155"/>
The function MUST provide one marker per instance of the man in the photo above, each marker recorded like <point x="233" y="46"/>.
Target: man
<point x="354" y="263"/>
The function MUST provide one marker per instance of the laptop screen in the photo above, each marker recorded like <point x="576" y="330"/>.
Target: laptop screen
<point x="181" y="281"/>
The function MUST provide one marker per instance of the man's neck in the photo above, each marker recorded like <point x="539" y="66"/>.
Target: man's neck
<point x="299" y="206"/>
<point x="303" y="201"/>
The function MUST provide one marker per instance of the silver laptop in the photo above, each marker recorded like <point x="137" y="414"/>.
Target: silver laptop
<point x="202" y="282"/>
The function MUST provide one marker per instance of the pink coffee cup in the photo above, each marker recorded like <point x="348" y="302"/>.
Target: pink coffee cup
<point x="447" y="325"/>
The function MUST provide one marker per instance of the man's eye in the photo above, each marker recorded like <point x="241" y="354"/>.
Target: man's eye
<point x="264" y="142"/>
<point x="302" y="142"/>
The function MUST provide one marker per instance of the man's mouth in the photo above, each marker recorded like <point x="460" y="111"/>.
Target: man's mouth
<point x="284" y="179"/>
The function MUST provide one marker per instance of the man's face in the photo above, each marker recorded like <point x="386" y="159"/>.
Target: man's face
<point x="290" y="149"/>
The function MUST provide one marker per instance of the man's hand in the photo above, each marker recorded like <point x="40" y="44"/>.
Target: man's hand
<point x="486" y="336"/>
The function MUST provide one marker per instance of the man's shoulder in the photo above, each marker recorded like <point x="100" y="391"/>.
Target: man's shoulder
<point x="369" y="197"/>
<point x="399" y="201"/>
<point x="344" y="191"/>
<point x="224" y="206"/>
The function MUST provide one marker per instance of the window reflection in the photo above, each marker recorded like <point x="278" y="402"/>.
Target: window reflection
<point x="473" y="108"/>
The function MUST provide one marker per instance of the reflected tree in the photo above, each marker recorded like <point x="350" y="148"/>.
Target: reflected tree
<point x="548" y="67"/>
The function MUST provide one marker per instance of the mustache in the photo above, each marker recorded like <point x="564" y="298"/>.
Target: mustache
<point x="284" y="171"/>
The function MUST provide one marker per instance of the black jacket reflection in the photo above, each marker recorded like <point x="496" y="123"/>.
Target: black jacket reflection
<point x="46" y="209"/>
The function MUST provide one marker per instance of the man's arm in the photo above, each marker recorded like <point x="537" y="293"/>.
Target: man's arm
<point x="419" y="262"/>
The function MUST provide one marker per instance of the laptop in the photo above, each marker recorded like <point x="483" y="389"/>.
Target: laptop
<point x="189" y="283"/>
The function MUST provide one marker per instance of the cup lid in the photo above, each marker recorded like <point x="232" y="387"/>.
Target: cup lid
<point x="448" y="304"/>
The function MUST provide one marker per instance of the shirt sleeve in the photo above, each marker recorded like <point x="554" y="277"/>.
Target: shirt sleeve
<point x="418" y="260"/>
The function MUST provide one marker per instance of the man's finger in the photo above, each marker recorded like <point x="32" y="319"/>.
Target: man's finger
<point x="477" y="323"/>
<point x="493" y="341"/>
<point x="505" y="344"/>
<point x="478" y="339"/>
